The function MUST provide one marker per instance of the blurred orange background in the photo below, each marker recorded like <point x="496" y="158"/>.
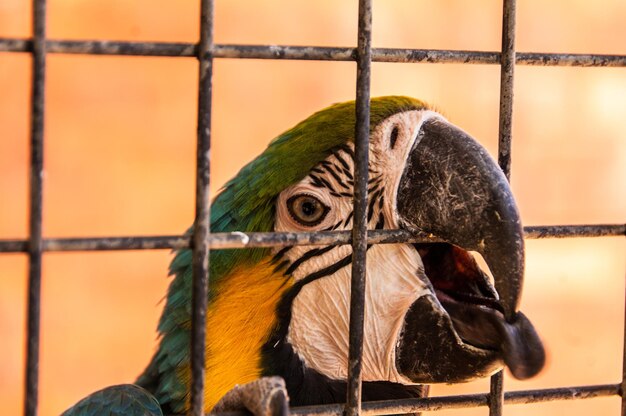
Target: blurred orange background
<point x="120" y="155"/>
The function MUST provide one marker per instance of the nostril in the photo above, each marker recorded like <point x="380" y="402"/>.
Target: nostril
<point x="393" y="137"/>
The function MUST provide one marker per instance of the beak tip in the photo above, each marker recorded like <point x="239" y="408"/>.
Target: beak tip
<point x="524" y="353"/>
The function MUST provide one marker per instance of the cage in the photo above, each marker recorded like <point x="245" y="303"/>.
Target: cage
<point x="209" y="53"/>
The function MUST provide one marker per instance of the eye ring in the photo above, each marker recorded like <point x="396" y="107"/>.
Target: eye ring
<point x="307" y="209"/>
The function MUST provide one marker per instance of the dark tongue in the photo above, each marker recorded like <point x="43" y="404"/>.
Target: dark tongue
<point x="486" y="328"/>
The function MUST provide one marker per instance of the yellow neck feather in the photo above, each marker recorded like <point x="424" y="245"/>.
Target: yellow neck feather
<point x="239" y="321"/>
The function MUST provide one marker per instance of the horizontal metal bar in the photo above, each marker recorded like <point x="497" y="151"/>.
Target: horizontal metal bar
<point x="387" y="407"/>
<point x="100" y="243"/>
<point x="304" y="53"/>
<point x="216" y="241"/>
<point x="249" y="240"/>
<point x="315" y="53"/>
<point x="104" y="47"/>
<point x="567" y="231"/>
<point x="569" y="59"/>
<point x="561" y="393"/>
<point x="515" y="397"/>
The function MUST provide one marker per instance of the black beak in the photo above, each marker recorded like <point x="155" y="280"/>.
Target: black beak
<point x="453" y="189"/>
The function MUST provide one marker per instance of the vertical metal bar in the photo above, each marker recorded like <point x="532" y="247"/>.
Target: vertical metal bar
<point x="359" y="230"/>
<point x="507" y="66"/>
<point x="36" y="203"/>
<point x="622" y="390"/>
<point x="200" y="266"/>
<point x="496" y="394"/>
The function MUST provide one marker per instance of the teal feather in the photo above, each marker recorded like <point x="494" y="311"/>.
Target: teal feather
<point x="246" y="203"/>
<point x="121" y="400"/>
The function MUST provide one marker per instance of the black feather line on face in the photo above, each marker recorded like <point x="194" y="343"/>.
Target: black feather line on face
<point x="381" y="221"/>
<point x="333" y="227"/>
<point x="348" y="219"/>
<point x="307" y="256"/>
<point x="348" y="150"/>
<point x="320" y="180"/>
<point x="278" y="256"/>
<point x="370" y="207"/>
<point x="374" y="182"/>
<point x="372" y="189"/>
<point x="316" y="182"/>
<point x="338" y="179"/>
<point x="345" y="166"/>
<point x="281" y="266"/>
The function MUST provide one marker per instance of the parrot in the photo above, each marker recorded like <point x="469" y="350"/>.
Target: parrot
<point x="278" y="318"/>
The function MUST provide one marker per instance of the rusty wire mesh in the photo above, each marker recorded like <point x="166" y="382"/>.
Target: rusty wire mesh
<point x="202" y="240"/>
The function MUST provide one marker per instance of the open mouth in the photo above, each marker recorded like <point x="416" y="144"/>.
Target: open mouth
<point x="466" y="294"/>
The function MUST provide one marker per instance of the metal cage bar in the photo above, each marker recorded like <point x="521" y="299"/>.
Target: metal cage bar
<point x="315" y="53"/>
<point x="218" y="241"/>
<point x="507" y="69"/>
<point x="387" y="407"/>
<point x="507" y="72"/>
<point x="622" y="386"/>
<point x="202" y="240"/>
<point x="359" y="227"/>
<point x="201" y="230"/>
<point x="430" y="404"/>
<point x="36" y="206"/>
<point x="234" y="240"/>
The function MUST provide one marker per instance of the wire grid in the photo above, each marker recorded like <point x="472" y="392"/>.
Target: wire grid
<point x="202" y="240"/>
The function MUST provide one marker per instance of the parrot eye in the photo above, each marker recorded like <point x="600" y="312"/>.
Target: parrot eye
<point x="307" y="209"/>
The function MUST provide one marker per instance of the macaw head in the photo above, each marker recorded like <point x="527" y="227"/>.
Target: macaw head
<point x="431" y="313"/>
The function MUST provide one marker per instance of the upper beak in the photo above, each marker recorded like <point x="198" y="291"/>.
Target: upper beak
<point x="453" y="189"/>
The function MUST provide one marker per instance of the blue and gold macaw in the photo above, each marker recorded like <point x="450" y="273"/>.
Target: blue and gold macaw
<point x="277" y="322"/>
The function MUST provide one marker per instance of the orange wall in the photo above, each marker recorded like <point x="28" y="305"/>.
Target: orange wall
<point x="119" y="160"/>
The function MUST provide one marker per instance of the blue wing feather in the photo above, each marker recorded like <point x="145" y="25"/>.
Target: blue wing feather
<point x="120" y="400"/>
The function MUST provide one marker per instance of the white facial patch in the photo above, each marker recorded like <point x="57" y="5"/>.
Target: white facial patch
<point x="395" y="278"/>
<point x="320" y="315"/>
